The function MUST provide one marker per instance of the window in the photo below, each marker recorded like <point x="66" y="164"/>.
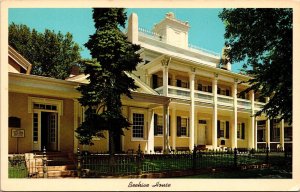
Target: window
<point x="261" y="130"/>
<point x="275" y="130"/>
<point x="158" y="125"/>
<point x="182" y="126"/>
<point x="138" y="125"/>
<point x="35" y="128"/>
<point x="43" y="106"/>
<point x="223" y="129"/>
<point x="241" y="130"/>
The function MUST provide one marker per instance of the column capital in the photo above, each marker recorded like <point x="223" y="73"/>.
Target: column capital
<point x="216" y="76"/>
<point x="165" y="62"/>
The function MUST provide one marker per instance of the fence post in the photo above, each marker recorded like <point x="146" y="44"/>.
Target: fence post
<point x="235" y="157"/>
<point x="44" y="163"/>
<point x="139" y="160"/>
<point x="267" y="155"/>
<point x="194" y="157"/>
<point x="78" y="163"/>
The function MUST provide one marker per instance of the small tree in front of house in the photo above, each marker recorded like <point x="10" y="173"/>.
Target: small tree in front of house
<point x="111" y="54"/>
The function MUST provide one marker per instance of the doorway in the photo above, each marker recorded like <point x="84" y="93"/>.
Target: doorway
<point x="49" y="130"/>
<point x="202" y="129"/>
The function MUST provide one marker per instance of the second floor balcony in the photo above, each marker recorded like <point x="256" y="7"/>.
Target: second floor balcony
<point x="208" y="98"/>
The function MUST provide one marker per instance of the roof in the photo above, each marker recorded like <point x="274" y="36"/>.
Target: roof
<point x="19" y="59"/>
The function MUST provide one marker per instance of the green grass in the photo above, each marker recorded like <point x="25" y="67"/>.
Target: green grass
<point x="17" y="171"/>
<point x="274" y="172"/>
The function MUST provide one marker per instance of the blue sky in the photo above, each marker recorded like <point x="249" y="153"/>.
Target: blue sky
<point x="207" y="30"/>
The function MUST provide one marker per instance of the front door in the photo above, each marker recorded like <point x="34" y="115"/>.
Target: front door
<point x="201" y="134"/>
<point x="49" y="128"/>
<point x="45" y="134"/>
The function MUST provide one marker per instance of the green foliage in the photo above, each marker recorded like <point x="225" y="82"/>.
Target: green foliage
<point x="51" y="54"/>
<point x="112" y="55"/>
<point x="263" y="37"/>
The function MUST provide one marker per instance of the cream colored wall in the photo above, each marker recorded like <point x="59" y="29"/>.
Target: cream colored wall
<point x="18" y="107"/>
<point x="243" y="143"/>
<point x="67" y="126"/>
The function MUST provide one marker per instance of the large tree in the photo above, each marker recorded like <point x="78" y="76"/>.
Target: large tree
<point x="51" y="54"/>
<point x="263" y="38"/>
<point x="111" y="54"/>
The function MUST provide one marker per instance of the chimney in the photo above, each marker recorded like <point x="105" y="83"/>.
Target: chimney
<point x="225" y="59"/>
<point x="133" y="29"/>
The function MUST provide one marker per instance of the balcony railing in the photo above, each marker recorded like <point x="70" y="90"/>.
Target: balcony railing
<point x="179" y="92"/>
<point x="243" y="103"/>
<point x="225" y="100"/>
<point x="203" y="96"/>
<point x="184" y="93"/>
<point x="258" y="105"/>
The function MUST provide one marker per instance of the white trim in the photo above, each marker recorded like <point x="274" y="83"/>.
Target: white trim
<point x="59" y="111"/>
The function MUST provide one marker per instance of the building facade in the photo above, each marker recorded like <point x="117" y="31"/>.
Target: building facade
<point x="184" y="99"/>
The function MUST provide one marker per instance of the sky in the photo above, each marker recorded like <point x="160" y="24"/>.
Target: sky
<point x="206" y="29"/>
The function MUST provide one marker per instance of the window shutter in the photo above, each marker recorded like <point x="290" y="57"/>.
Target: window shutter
<point x="218" y="129"/>
<point x="154" y="81"/>
<point x="219" y="90"/>
<point x="155" y="124"/>
<point x="243" y="130"/>
<point x="210" y="89"/>
<point x="227" y="129"/>
<point x="169" y="81"/>
<point x="178" y="83"/>
<point x="169" y="125"/>
<point x="227" y="92"/>
<point x="178" y="126"/>
<point x="200" y="87"/>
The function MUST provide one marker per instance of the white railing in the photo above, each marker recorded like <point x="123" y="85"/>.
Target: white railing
<point x="179" y="92"/>
<point x="159" y="90"/>
<point x="203" y="96"/>
<point x="258" y="105"/>
<point x="155" y="36"/>
<point x="243" y="103"/>
<point x="225" y="100"/>
<point x="150" y="34"/>
<point x="197" y="49"/>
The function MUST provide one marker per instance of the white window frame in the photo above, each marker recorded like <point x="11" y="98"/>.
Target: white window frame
<point x="187" y="127"/>
<point x="138" y="111"/>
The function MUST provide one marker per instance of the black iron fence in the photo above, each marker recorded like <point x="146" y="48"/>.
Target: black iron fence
<point x="102" y="165"/>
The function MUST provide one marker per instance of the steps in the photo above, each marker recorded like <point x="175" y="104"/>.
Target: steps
<point x="59" y="165"/>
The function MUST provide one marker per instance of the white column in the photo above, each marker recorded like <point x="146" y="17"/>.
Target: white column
<point x="215" y="112"/>
<point x="173" y="128"/>
<point x="234" y="115"/>
<point x="255" y="133"/>
<point x="251" y="127"/>
<point x="165" y="127"/>
<point x="165" y="80"/>
<point x="192" y="111"/>
<point x="282" y="134"/>
<point x="268" y="128"/>
<point x="150" y="141"/>
<point x="75" y="125"/>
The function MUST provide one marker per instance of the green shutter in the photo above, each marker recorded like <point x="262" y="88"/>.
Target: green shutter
<point x="155" y="124"/>
<point x="178" y="126"/>
<point x="243" y="130"/>
<point x="227" y="129"/>
<point x="218" y="129"/>
<point x="154" y="81"/>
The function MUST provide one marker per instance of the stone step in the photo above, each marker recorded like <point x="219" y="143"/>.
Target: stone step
<point x="55" y="174"/>
<point x="56" y="168"/>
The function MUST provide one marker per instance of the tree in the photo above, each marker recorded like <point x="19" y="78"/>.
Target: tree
<point x="263" y="38"/>
<point x="51" y="54"/>
<point x="112" y="55"/>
